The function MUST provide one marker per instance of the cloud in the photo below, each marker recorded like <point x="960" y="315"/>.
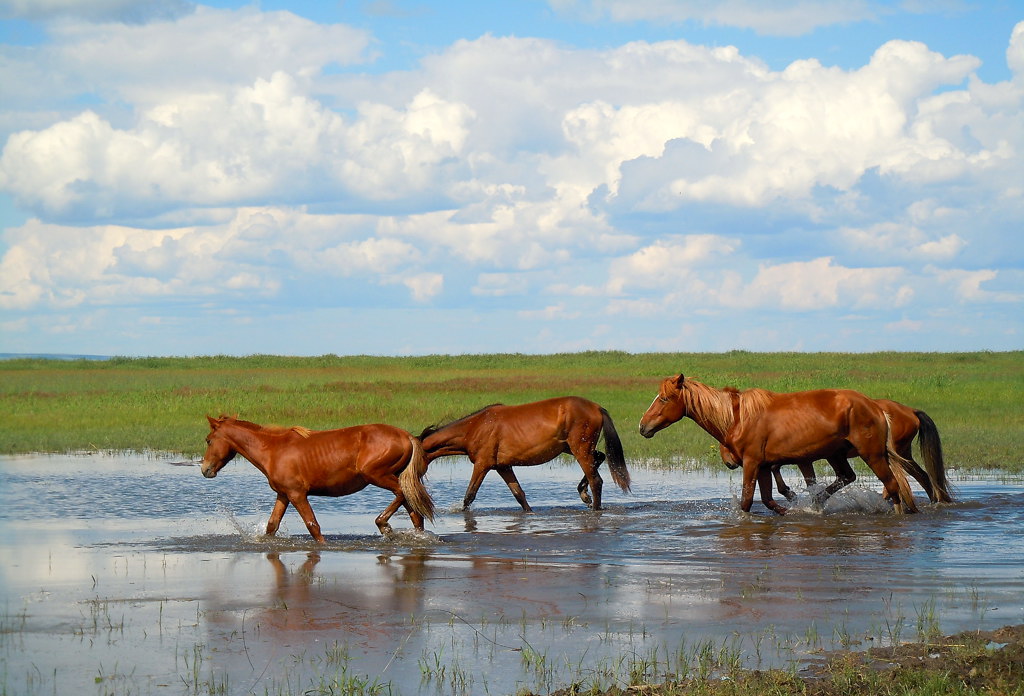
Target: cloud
<point x="424" y="286"/>
<point x="265" y="142"/>
<point x="114" y="64"/>
<point x="666" y="263"/>
<point x="809" y="127"/>
<point x="555" y="312"/>
<point x="890" y="240"/>
<point x="643" y="179"/>
<point x="967" y="286"/>
<point x="260" y="251"/>
<point x="818" y="284"/>
<point x="129" y="11"/>
<point x="779" y="18"/>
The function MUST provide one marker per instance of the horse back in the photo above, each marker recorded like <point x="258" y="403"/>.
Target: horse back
<point x="807" y="425"/>
<point x="346" y="459"/>
<point x="534" y="432"/>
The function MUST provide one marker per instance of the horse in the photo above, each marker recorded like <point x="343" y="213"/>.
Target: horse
<point x="758" y="429"/>
<point x="499" y="437"/>
<point x="299" y="462"/>
<point x="906" y="423"/>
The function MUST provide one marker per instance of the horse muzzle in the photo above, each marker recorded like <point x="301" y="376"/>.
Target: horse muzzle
<point x="209" y="470"/>
<point x="648" y="431"/>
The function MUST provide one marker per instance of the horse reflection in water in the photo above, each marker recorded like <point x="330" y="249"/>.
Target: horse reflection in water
<point x="788" y="563"/>
<point x="905" y="423"/>
<point x="500" y="437"/>
<point x="758" y="430"/>
<point x="303" y="603"/>
<point x="299" y="462"/>
<point x="307" y="601"/>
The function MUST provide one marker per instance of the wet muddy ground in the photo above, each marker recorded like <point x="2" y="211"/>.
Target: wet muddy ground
<point x="133" y="574"/>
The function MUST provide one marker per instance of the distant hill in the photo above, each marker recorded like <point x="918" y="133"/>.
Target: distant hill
<point x="51" y="356"/>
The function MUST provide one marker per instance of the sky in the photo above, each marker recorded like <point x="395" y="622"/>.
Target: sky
<point x="413" y="177"/>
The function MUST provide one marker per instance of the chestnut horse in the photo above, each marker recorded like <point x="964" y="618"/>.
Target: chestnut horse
<point x="906" y="424"/>
<point x="500" y="437"/>
<point x="299" y="462"/>
<point x="758" y="429"/>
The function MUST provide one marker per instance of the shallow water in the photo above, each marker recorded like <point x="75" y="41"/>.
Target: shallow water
<point x="134" y="574"/>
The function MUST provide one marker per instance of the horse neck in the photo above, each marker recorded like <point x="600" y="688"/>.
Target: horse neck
<point x="250" y="443"/>
<point x="448" y="439"/>
<point x="710" y="408"/>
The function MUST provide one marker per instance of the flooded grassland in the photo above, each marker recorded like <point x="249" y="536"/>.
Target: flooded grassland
<point x="132" y="574"/>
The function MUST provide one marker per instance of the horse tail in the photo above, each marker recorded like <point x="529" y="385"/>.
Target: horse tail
<point x="897" y="464"/>
<point x="411" y="482"/>
<point x="931" y="452"/>
<point x="615" y="456"/>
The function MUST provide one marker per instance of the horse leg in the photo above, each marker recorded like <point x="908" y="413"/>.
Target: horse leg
<point x="509" y="477"/>
<point x="582" y="489"/>
<point x="278" y="512"/>
<point x="750" y="471"/>
<point x="915" y="470"/>
<point x="391" y="482"/>
<point x="780" y="483"/>
<point x="880" y="465"/>
<point x="477" y="478"/>
<point x="589" y="459"/>
<point x="764" y="482"/>
<point x="382" y="518"/>
<point x="306" y="512"/>
<point x="845" y="475"/>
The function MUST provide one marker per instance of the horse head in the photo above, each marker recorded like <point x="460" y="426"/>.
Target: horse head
<point x="668" y="406"/>
<point x="219" y="449"/>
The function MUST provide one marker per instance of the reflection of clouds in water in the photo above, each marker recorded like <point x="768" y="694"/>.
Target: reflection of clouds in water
<point x="23" y="564"/>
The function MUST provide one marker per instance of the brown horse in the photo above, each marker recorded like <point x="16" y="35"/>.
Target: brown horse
<point x="500" y="437"/>
<point x="758" y="429"/>
<point x="906" y="424"/>
<point x="299" y="462"/>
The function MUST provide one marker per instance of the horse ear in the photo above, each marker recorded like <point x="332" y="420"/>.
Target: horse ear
<point x="213" y="423"/>
<point x="679" y="381"/>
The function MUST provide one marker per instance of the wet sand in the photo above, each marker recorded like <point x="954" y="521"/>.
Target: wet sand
<point x="129" y="574"/>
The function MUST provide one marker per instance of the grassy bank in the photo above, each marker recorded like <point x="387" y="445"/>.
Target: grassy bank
<point x="159" y="403"/>
<point x="967" y="664"/>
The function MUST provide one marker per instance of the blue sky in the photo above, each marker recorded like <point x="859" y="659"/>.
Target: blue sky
<point x="394" y="177"/>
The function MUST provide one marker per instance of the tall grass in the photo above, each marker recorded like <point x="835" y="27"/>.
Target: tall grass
<point x="976" y="399"/>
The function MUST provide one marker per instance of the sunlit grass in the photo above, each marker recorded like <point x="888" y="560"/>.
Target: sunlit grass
<point x="160" y="403"/>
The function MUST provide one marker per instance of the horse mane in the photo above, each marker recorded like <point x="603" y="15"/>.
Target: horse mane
<point x="299" y="430"/>
<point x="721" y="407"/>
<point x="753" y="401"/>
<point x="431" y="429"/>
<point x="713" y="406"/>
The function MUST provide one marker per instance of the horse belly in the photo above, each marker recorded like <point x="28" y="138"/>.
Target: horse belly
<point x="338" y="489"/>
<point x="805" y="440"/>
<point x="528" y="453"/>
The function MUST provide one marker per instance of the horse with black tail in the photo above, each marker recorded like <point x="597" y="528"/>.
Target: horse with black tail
<point x="758" y="430"/>
<point x="500" y="437"/>
<point x="906" y="423"/>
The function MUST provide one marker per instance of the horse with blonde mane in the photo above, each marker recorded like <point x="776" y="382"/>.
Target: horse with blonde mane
<point x="299" y="462"/>
<point x="758" y="429"/>
<point x="906" y="423"/>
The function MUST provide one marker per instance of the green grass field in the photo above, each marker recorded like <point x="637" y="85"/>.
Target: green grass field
<point x="160" y="403"/>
